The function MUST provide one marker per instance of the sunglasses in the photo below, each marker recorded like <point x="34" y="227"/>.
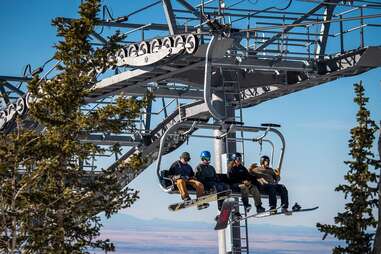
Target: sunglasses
<point x="205" y="158"/>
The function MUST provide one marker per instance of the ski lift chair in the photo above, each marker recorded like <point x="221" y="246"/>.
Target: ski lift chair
<point x="165" y="181"/>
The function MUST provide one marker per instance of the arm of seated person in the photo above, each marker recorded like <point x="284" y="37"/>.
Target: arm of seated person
<point x="277" y="174"/>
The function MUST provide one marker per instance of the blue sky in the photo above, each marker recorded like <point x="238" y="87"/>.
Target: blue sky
<point x="315" y="122"/>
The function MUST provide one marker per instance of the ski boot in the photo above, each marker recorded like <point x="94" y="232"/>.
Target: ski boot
<point x="187" y="200"/>
<point x="286" y="211"/>
<point x="296" y="207"/>
<point x="260" y="209"/>
<point x="202" y="206"/>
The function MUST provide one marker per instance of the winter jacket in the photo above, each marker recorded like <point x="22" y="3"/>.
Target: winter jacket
<point x="238" y="174"/>
<point x="265" y="175"/>
<point x="205" y="173"/>
<point x="180" y="169"/>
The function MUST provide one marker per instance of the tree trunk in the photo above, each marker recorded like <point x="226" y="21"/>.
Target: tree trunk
<point x="377" y="240"/>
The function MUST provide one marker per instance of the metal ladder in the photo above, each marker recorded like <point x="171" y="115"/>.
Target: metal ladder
<point x="231" y="87"/>
<point x="244" y="234"/>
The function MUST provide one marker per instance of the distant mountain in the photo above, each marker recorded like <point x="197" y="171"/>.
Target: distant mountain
<point x="139" y="236"/>
<point x="122" y="221"/>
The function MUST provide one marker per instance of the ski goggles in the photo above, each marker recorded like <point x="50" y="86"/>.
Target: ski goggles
<point x="205" y="158"/>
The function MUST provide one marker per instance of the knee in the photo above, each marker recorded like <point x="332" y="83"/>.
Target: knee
<point x="271" y="190"/>
<point x="282" y="187"/>
<point x="180" y="181"/>
<point x="198" y="184"/>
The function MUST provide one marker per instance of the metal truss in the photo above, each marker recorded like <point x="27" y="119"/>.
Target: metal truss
<point x="258" y="53"/>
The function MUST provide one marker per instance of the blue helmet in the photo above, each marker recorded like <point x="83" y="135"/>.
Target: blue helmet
<point x="205" y="154"/>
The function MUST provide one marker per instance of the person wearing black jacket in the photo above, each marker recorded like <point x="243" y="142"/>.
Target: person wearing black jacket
<point x="206" y="174"/>
<point x="241" y="181"/>
<point x="268" y="181"/>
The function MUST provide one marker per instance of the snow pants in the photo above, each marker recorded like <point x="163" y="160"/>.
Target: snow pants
<point x="218" y="186"/>
<point x="276" y="189"/>
<point x="247" y="190"/>
<point x="182" y="186"/>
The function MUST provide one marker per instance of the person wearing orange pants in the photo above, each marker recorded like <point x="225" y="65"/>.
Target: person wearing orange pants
<point x="182" y="186"/>
<point x="183" y="175"/>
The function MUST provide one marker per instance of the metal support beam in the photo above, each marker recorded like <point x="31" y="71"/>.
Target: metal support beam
<point x="13" y="88"/>
<point x="99" y="37"/>
<point x="13" y="78"/>
<point x="4" y="93"/>
<point x="100" y="139"/>
<point x="192" y="9"/>
<point x="322" y="44"/>
<point x="219" y="149"/>
<point x="147" y="125"/>
<point x="170" y="16"/>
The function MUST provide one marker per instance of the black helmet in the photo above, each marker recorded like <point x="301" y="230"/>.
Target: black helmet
<point x="185" y="156"/>
<point x="235" y="156"/>
<point x="265" y="158"/>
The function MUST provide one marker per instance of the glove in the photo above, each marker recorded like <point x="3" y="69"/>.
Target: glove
<point x="186" y="178"/>
<point x="262" y="181"/>
<point x="176" y="177"/>
<point x="252" y="167"/>
<point x="247" y="183"/>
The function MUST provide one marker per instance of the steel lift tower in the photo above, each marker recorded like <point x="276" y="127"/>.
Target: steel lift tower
<point x="205" y="61"/>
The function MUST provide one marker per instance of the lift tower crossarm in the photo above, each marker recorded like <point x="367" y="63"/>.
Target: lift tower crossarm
<point x="170" y="16"/>
<point x="150" y="26"/>
<point x="4" y="93"/>
<point x="193" y="10"/>
<point x="289" y="28"/>
<point x="11" y="87"/>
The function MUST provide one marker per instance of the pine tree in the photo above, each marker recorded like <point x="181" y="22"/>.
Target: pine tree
<point x="377" y="239"/>
<point x="48" y="202"/>
<point x="355" y="225"/>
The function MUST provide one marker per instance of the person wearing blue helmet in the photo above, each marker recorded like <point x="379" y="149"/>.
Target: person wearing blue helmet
<point x="206" y="174"/>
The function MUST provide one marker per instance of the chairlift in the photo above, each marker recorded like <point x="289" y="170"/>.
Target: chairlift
<point x="184" y="130"/>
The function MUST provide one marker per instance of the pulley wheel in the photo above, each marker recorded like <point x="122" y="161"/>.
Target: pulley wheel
<point x="121" y="54"/>
<point x="191" y="44"/>
<point x="20" y="106"/>
<point x="143" y="48"/>
<point x="3" y="119"/>
<point x="155" y="45"/>
<point x="132" y="50"/>
<point x="168" y="42"/>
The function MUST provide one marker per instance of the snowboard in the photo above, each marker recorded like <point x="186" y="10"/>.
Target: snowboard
<point x="275" y="212"/>
<point x="199" y="201"/>
<point x="256" y="215"/>
<point x="223" y="218"/>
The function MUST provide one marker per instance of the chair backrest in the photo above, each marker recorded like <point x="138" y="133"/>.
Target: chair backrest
<point x="165" y="178"/>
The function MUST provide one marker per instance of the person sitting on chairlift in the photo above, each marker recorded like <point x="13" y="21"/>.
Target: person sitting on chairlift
<point x="268" y="179"/>
<point x="241" y="181"/>
<point x="206" y="174"/>
<point x="183" y="175"/>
